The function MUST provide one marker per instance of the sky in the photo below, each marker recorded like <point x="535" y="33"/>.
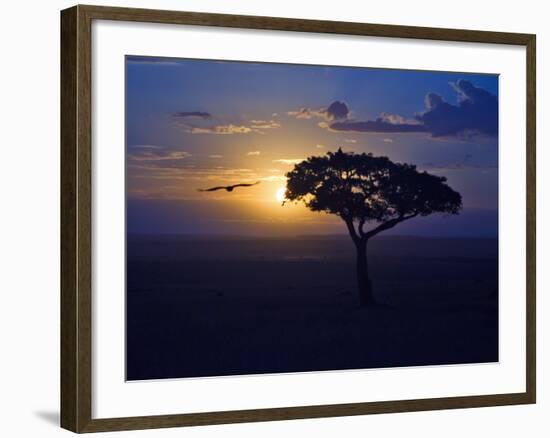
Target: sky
<point x="195" y="124"/>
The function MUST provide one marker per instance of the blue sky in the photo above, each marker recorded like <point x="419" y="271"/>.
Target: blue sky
<point x="192" y="124"/>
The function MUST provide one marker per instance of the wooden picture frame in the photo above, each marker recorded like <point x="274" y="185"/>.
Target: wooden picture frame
<point x="76" y="218"/>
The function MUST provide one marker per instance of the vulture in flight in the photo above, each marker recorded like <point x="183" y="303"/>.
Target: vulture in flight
<point x="228" y="188"/>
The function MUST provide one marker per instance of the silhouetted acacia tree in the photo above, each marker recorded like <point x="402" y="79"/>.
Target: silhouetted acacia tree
<point x="362" y="189"/>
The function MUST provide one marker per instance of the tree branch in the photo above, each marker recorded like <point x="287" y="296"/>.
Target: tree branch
<point x="351" y="229"/>
<point x="360" y="227"/>
<point x="387" y="225"/>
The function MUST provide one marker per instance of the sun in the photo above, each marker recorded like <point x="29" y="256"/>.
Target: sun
<point x="280" y="194"/>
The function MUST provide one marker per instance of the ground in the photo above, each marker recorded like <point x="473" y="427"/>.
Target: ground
<point x="209" y="306"/>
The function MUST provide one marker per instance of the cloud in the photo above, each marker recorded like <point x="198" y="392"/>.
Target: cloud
<point x="350" y="140"/>
<point x="396" y="119"/>
<point x="147" y="146"/>
<point x="387" y="140"/>
<point x="156" y="153"/>
<point x="232" y="129"/>
<point x="273" y="178"/>
<point x="215" y="156"/>
<point x="264" y="124"/>
<point x="161" y="172"/>
<point x="335" y="111"/>
<point x="221" y="129"/>
<point x="302" y="113"/>
<point x="381" y="124"/>
<point x="253" y="153"/>
<point x="320" y="146"/>
<point x="289" y="160"/>
<point x="476" y="112"/>
<point x="191" y="114"/>
<point x="254" y="126"/>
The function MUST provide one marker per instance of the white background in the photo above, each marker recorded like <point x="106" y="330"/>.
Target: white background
<point x="112" y="397"/>
<point x="29" y="184"/>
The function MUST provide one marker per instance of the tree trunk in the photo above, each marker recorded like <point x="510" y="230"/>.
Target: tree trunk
<point x="364" y="284"/>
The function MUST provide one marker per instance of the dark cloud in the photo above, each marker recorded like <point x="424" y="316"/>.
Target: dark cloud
<point x="187" y="120"/>
<point x="379" y="125"/>
<point x="335" y="111"/>
<point x="432" y="100"/>
<point x="475" y="113"/>
<point x="198" y="114"/>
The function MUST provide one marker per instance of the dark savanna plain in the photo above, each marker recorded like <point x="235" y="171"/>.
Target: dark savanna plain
<point x="253" y="280"/>
<point x="225" y="306"/>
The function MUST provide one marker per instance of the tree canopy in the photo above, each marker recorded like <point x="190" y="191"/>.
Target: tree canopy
<point x="362" y="189"/>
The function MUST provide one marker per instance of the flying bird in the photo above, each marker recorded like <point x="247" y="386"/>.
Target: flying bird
<point x="228" y="188"/>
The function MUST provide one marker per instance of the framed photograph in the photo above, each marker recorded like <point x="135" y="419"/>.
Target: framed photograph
<point x="268" y="219"/>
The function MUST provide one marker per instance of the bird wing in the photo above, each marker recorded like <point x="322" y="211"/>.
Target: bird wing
<point x="212" y="189"/>
<point x="246" y="184"/>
